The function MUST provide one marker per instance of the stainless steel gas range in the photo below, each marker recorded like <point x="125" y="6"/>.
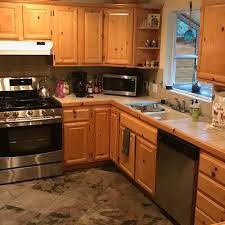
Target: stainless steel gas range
<point x="30" y="132"/>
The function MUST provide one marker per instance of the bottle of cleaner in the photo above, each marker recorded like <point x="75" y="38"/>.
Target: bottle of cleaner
<point x="196" y="110"/>
<point x="191" y="106"/>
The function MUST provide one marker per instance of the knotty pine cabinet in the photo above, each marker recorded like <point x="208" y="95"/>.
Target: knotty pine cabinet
<point x="118" y="36"/>
<point x="65" y="36"/>
<point x="90" y="35"/>
<point x="211" y="66"/>
<point x="86" y="134"/>
<point x="37" y="22"/>
<point x="10" y="21"/>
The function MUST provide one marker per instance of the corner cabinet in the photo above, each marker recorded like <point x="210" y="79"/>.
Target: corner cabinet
<point x="10" y="21"/>
<point x="65" y="36"/>
<point x="118" y="36"/>
<point x="37" y="22"/>
<point x="90" y="35"/>
<point x="211" y="66"/>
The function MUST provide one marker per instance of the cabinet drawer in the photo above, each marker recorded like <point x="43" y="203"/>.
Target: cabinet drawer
<point x="202" y="219"/>
<point x="212" y="167"/>
<point x="74" y="114"/>
<point x="139" y="127"/>
<point x="211" y="188"/>
<point x="209" y="207"/>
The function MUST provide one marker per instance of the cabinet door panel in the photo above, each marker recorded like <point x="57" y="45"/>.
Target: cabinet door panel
<point x="114" y="136"/>
<point x="118" y="36"/>
<point x="212" y="35"/>
<point x="37" y="21"/>
<point x="126" y="163"/>
<point x="93" y="31"/>
<point x="76" y="142"/>
<point x="102" y="116"/>
<point x="10" y="21"/>
<point x="145" y="165"/>
<point x="65" y="36"/>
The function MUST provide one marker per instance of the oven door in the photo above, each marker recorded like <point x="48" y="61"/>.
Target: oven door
<point x="120" y="85"/>
<point x="30" y="140"/>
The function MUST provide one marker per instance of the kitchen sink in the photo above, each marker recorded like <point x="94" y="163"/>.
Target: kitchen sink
<point x="167" y="115"/>
<point x="147" y="107"/>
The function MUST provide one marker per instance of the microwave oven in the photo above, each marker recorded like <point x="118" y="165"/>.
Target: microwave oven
<point x="127" y="85"/>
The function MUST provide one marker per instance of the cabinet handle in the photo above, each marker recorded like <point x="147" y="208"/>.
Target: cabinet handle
<point x="38" y="17"/>
<point x="222" y="29"/>
<point x="213" y="174"/>
<point x="143" y="161"/>
<point x="216" y="169"/>
<point x="74" y="113"/>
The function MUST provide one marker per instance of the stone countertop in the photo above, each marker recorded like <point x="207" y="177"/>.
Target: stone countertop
<point x="199" y="133"/>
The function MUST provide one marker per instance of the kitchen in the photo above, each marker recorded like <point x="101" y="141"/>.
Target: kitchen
<point x="96" y="129"/>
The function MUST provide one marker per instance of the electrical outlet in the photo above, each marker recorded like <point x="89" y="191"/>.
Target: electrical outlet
<point x="154" y="88"/>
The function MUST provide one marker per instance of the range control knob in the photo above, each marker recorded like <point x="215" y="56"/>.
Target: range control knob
<point x="30" y="113"/>
<point x="6" y="114"/>
<point x="15" y="114"/>
<point x="44" y="112"/>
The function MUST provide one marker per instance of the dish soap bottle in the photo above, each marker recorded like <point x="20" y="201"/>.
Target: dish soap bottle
<point x="196" y="110"/>
<point x="191" y="106"/>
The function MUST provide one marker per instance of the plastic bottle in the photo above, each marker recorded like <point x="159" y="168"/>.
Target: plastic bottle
<point x="191" y="106"/>
<point x="196" y="110"/>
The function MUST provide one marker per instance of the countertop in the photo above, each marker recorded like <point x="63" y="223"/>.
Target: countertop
<point x="199" y="133"/>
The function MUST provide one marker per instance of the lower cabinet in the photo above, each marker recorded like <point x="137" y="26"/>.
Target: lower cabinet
<point x="127" y="161"/>
<point x="76" y="143"/>
<point x="145" y="164"/>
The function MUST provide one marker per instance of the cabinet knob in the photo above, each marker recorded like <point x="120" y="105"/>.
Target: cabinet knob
<point x="38" y="17"/>
<point x="143" y="161"/>
<point x="213" y="174"/>
<point x="74" y="113"/>
<point x="222" y="29"/>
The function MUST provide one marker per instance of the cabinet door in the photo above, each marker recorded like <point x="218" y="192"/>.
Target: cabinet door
<point x="10" y="21"/>
<point x="76" y="143"/>
<point x="126" y="162"/>
<point x="114" y="136"/>
<point x="37" y="21"/>
<point x="91" y="35"/>
<point x="102" y="117"/>
<point x="118" y="36"/>
<point x="145" y="165"/>
<point x="65" y="36"/>
<point x="211" y="51"/>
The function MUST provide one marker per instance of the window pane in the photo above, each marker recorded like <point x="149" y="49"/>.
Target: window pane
<point x="185" y="70"/>
<point x="183" y="47"/>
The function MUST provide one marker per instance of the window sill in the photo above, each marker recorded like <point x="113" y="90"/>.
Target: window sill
<point x="192" y="95"/>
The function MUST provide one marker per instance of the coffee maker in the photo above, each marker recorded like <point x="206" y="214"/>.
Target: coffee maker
<point x="79" y="80"/>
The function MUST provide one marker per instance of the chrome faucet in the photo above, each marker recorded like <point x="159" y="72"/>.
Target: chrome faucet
<point x="181" y="106"/>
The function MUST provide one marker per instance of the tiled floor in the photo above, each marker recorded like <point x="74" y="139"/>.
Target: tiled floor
<point x="100" y="196"/>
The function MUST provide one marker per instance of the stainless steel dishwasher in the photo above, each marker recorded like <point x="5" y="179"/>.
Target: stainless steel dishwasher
<point x="176" y="178"/>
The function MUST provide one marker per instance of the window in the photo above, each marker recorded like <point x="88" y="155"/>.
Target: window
<point x="185" y="56"/>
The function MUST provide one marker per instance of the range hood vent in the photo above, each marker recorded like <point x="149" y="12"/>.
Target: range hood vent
<point x="26" y="48"/>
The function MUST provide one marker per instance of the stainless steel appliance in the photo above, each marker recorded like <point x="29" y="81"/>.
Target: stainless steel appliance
<point x="176" y="177"/>
<point x="79" y="80"/>
<point x="30" y="131"/>
<point x="123" y="84"/>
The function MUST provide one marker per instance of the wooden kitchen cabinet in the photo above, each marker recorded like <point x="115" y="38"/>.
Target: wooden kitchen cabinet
<point x="127" y="162"/>
<point x="145" y="165"/>
<point x="90" y="35"/>
<point x="10" y="21"/>
<point x="101" y="125"/>
<point x="118" y="36"/>
<point x="37" y="22"/>
<point x="76" y="143"/>
<point x="65" y="36"/>
<point x="114" y="136"/>
<point x="211" y="66"/>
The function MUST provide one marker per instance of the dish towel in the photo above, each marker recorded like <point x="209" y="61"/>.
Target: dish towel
<point x="126" y="142"/>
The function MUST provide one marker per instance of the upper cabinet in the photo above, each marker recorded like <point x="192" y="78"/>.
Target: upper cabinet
<point x="118" y="36"/>
<point x="37" y="22"/>
<point x="91" y="35"/>
<point x="65" y="36"/>
<point x="10" y="21"/>
<point x="211" y="65"/>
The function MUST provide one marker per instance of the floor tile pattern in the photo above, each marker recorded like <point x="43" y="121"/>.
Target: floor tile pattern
<point x="98" y="196"/>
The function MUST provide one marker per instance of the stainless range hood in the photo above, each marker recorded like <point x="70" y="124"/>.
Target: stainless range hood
<point x="26" y="47"/>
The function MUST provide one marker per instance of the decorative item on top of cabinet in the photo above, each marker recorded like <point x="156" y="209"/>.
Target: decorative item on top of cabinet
<point x="101" y="125"/>
<point x="127" y="159"/>
<point x="37" y="22"/>
<point x="90" y="26"/>
<point x="145" y="165"/>
<point x="118" y="36"/>
<point x="10" y="21"/>
<point x="114" y="136"/>
<point x="65" y="36"/>
<point x="211" y="67"/>
<point x="146" y="39"/>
